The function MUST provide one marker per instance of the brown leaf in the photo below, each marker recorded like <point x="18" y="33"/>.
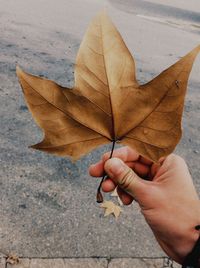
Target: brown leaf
<point x="12" y="259"/>
<point x="111" y="208"/>
<point x="107" y="104"/>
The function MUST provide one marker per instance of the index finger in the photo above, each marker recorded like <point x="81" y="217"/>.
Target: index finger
<point x="97" y="170"/>
<point x="125" y="153"/>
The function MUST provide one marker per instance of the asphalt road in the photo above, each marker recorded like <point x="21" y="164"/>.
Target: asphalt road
<point x="173" y="11"/>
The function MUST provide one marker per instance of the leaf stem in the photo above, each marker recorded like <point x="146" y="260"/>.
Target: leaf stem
<point x="99" y="194"/>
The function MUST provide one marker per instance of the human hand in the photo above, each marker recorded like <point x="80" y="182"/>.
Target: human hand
<point x="168" y="199"/>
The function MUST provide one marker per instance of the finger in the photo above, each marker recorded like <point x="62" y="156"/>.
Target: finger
<point x="154" y="169"/>
<point x="145" y="161"/>
<point x="125" y="153"/>
<point x="141" y="169"/>
<point x="162" y="159"/>
<point x="97" y="170"/>
<point x="126" y="178"/>
<point x="126" y="198"/>
<point x="108" y="185"/>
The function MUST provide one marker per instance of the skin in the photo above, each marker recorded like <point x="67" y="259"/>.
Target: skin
<point x="164" y="191"/>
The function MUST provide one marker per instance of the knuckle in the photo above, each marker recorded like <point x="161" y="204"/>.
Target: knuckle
<point x="105" y="156"/>
<point x="127" y="179"/>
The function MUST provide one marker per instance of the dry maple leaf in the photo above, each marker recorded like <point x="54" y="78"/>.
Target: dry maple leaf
<point x="12" y="259"/>
<point x="107" y="104"/>
<point x="111" y="208"/>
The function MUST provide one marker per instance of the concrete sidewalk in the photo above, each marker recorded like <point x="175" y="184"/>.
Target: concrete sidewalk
<point x="90" y="263"/>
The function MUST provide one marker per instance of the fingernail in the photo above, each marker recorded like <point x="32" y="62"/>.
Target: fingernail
<point x="114" y="167"/>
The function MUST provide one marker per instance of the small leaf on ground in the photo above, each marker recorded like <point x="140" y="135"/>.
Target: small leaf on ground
<point x="12" y="259"/>
<point x="111" y="208"/>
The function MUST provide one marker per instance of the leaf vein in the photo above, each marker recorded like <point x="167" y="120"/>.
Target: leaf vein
<point x="64" y="112"/>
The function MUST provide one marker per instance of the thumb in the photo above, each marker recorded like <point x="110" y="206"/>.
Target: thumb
<point x="126" y="178"/>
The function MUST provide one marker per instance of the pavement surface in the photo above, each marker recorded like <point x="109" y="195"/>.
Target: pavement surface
<point x="89" y="263"/>
<point x="48" y="206"/>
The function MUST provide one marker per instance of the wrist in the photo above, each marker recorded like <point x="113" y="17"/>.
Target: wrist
<point x="187" y="235"/>
<point x="176" y="233"/>
<point x="185" y="245"/>
<point x="192" y="260"/>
